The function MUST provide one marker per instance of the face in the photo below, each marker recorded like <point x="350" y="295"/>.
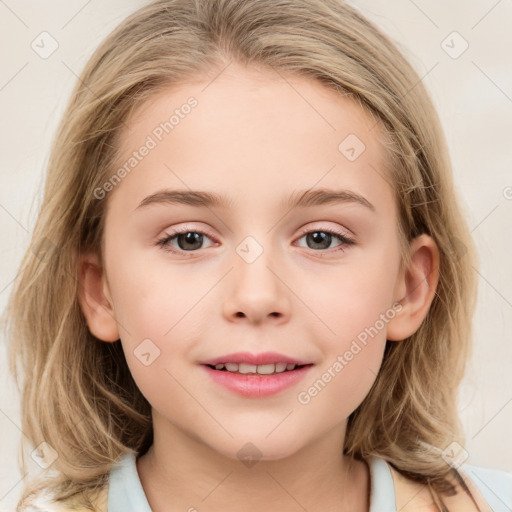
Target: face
<point x="314" y="282"/>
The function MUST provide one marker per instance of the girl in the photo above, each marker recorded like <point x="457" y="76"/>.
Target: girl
<point x="250" y="284"/>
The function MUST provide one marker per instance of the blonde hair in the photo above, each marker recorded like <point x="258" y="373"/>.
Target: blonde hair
<point x="77" y="392"/>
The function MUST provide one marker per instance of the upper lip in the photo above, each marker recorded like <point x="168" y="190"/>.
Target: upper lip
<point x="255" y="359"/>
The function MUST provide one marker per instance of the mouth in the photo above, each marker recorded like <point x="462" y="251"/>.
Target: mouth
<point x="256" y="381"/>
<point x="260" y="369"/>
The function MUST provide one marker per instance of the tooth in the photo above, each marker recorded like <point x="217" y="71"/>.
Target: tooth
<point x="265" y="369"/>
<point x="262" y="369"/>
<point x="246" y="368"/>
<point x="280" y="367"/>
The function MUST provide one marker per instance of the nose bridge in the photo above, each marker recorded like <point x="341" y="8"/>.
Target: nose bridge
<point x="250" y="249"/>
<point x="257" y="290"/>
<point x="254" y="260"/>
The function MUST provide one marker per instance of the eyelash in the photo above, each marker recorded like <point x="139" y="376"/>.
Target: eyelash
<point x="163" y="242"/>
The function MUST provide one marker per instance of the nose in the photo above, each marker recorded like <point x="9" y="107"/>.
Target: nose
<point x="257" y="290"/>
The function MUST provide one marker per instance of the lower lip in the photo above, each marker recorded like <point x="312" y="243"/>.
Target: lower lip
<point x="256" y="385"/>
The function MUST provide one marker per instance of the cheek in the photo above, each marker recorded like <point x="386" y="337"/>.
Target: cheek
<point x="355" y="298"/>
<point x="157" y="313"/>
<point x="355" y="305"/>
<point x="152" y="297"/>
<point x="353" y="350"/>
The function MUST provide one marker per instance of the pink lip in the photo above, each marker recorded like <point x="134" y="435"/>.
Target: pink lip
<point x="255" y="385"/>
<point x="248" y="358"/>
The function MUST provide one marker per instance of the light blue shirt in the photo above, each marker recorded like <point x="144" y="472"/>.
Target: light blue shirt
<point x="126" y="493"/>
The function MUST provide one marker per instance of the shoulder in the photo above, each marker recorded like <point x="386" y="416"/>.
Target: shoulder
<point x="495" y="485"/>
<point x="45" y="503"/>
<point x="490" y="491"/>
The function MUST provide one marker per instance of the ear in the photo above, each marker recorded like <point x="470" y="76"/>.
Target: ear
<point x="95" y="299"/>
<point x="415" y="288"/>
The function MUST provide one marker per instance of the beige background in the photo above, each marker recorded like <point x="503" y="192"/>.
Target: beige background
<point x="473" y="93"/>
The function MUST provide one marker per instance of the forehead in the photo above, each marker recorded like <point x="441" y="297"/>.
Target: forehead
<point x="252" y="134"/>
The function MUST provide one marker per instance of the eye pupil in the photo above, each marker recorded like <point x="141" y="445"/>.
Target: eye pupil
<point x="190" y="238"/>
<point x="320" y="237"/>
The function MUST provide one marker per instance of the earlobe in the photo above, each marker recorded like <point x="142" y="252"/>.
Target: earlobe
<point x="415" y="288"/>
<point x="95" y="299"/>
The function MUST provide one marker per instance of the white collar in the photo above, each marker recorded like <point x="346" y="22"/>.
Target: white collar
<point x="126" y="494"/>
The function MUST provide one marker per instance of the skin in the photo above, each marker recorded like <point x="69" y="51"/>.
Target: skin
<point x="257" y="138"/>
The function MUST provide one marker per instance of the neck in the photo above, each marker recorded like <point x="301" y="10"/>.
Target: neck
<point x="182" y="473"/>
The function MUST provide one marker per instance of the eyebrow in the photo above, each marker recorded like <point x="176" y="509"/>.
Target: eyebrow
<point x="299" y="199"/>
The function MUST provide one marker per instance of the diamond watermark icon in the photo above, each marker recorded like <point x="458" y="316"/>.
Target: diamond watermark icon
<point x="146" y="352"/>
<point x="44" y="455"/>
<point x="351" y="147"/>
<point x="249" y="454"/>
<point x="42" y="248"/>
<point x="456" y="248"/>
<point x="249" y="249"/>
<point x="454" y="45"/>
<point x="44" y="45"/>
<point x="454" y="455"/>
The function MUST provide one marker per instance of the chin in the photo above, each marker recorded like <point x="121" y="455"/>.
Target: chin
<point x="249" y="449"/>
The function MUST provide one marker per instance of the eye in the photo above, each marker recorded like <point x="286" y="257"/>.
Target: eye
<point x="188" y="240"/>
<point x="322" y="238"/>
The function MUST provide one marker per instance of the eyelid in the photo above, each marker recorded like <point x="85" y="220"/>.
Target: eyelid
<point x="307" y="229"/>
<point x="186" y="229"/>
<point x="337" y="229"/>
